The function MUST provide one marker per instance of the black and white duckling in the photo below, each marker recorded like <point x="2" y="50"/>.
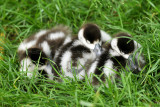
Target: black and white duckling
<point x="82" y="50"/>
<point x="118" y="54"/>
<point x="40" y="47"/>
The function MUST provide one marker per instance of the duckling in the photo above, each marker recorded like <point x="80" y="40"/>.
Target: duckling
<point x="118" y="54"/>
<point x="82" y="50"/>
<point x="40" y="47"/>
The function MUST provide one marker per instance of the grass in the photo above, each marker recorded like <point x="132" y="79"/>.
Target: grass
<point x="20" y="18"/>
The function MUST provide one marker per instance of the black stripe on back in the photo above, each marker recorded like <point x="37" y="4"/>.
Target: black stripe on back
<point x="77" y="52"/>
<point x="58" y="60"/>
<point x="55" y="44"/>
<point x="103" y="58"/>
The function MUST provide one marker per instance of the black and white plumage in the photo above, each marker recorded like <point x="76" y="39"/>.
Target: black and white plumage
<point x="39" y="48"/>
<point x="118" y="54"/>
<point x="72" y="58"/>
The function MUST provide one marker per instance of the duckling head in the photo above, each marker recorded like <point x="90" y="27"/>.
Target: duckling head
<point x="123" y="45"/>
<point x="127" y="48"/>
<point x="90" y="36"/>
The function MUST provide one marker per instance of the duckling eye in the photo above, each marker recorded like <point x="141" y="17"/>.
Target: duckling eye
<point x="88" y="42"/>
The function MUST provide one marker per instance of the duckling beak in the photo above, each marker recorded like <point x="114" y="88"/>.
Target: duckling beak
<point x="133" y="65"/>
<point x="98" y="50"/>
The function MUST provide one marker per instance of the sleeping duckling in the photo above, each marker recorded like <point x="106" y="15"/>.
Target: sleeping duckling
<point x="38" y="48"/>
<point x="118" y="54"/>
<point x="82" y="50"/>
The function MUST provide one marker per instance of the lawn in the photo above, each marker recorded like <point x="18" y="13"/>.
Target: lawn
<point x="21" y="18"/>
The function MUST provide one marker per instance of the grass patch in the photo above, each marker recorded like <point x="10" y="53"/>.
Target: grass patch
<point x="20" y="18"/>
